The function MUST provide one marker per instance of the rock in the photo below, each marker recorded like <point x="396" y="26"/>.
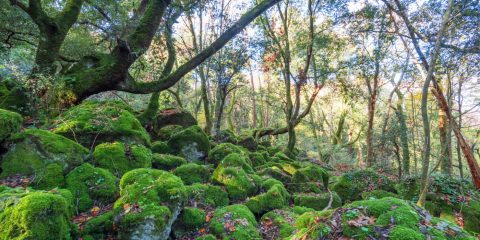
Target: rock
<point x="42" y="154"/>
<point x="191" y="143"/>
<point x="150" y="201"/>
<point x="193" y="218"/>
<point x="172" y="116"/>
<point x="14" y="97"/>
<point x="159" y="147"/>
<point x="225" y="136"/>
<point x="257" y="158"/>
<point x="220" y="151"/>
<point x="311" y="178"/>
<point x="351" y="185"/>
<point x="34" y="215"/>
<point x="91" y="185"/>
<point x="10" y="123"/>
<point x="317" y="201"/>
<point x="166" y="132"/>
<point x="248" y="142"/>
<point x="95" y="122"/>
<point x="167" y="162"/>
<point x="309" y="225"/>
<point x="206" y="196"/>
<point x="119" y="157"/>
<point x="193" y="173"/>
<point x="377" y="194"/>
<point x="278" y="224"/>
<point x="275" y="197"/>
<point x="234" y="222"/>
<point x="99" y="227"/>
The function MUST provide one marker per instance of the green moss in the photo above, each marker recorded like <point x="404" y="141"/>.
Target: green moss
<point x="472" y="217"/>
<point x="404" y="216"/>
<point x="91" y="185"/>
<point x="248" y="142"/>
<point x="206" y="237"/>
<point x="282" y="223"/>
<point x="206" y="196"/>
<point x="309" y="179"/>
<point x="257" y="158"/>
<point x="317" y="201"/>
<point x="237" y="182"/>
<point x="10" y="122"/>
<point x="193" y="218"/>
<point x="376" y="207"/>
<point x="167" y="162"/>
<point x="34" y="215"/>
<point x="351" y="185"/>
<point x="14" y="97"/>
<point x="311" y="225"/>
<point x="400" y="232"/>
<point x="237" y="160"/>
<point x="225" y="136"/>
<point x="166" y="132"/>
<point x="191" y="143"/>
<point x="94" y="122"/>
<point x="220" y="151"/>
<point x="241" y="220"/>
<point x="275" y="197"/>
<point x="119" y="157"/>
<point x="377" y="194"/>
<point x="159" y="147"/>
<point x="192" y="173"/>
<point x="99" y="227"/>
<point x="275" y="171"/>
<point x="41" y="153"/>
<point x="149" y="199"/>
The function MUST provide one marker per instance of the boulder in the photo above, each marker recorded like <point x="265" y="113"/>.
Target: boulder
<point x="10" y="123"/>
<point x="191" y="143"/>
<point x="240" y="221"/>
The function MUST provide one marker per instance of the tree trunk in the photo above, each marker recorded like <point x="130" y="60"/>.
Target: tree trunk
<point x="371" y="115"/>
<point x="403" y="135"/>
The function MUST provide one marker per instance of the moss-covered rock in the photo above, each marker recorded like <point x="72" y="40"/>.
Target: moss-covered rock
<point x="206" y="196"/>
<point x="193" y="218"/>
<point x="237" y="182"/>
<point x="34" y="215"/>
<point x="220" y="151"/>
<point x="225" y="136"/>
<point x="119" y="157"/>
<point x="240" y="222"/>
<point x="309" y="226"/>
<point x="193" y="173"/>
<point x="45" y="155"/>
<point x="95" y="122"/>
<point x="237" y="160"/>
<point x="378" y="194"/>
<point x="10" y="122"/>
<point x="309" y="179"/>
<point x="14" y="97"/>
<point x="150" y="201"/>
<point x="167" y="162"/>
<point x="351" y="185"/>
<point x="91" y="185"/>
<point x="99" y="227"/>
<point x="275" y="170"/>
<point x="257" y="159"/>
<point x="317" y="201"/>
<point x="160" y="147"/>
<point x="171" y="117"/>
<point x="166" y="132"/>
<point x="274" y="197"/>
<point x="280" y="222"/>
<point x="191" y="143"/>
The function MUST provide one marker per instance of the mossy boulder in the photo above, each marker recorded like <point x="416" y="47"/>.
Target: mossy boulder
<point x="166" y="132"/>
<point x="225" y="136"/>
<point x="10" y="122"/>
<point x="206" y="196"/>
<point x="42" y="154"/>
<point x="275" y="170"/>
<point x="191" y="143"/>
<point x="14" y="97"/>
<point x="90" y="185"/>
<point x="167" y="162"/>
<point x="95" y="122"/>
<point x="193" y="218"/>
<point x="257" y="158"/>
<point x="193" y="173"/>
<point x="232" y="173"/>
<point x="119" y="157"/>
<point x="220" y="151"/>
<point x="274" y="197"/>
<point x="351" y="185"/>
<point x="280" y="223"/>
<point x="150" y="201"/>
<point x="237" y="160"/>
<point x="34" y="215"/>
<point x="99" y="227"/>
<point x="248" y="142"/>
<point x="171" y="117"/>
<point x="309" y="226"/>
<point x="378" y="194"/>
<point x="160" y="147"/>
<point x="240" y="222"/>
<point x="317" y="201"/>
<point x="311" y="178"/>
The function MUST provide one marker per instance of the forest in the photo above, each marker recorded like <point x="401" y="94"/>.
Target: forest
<point x="239" y="119"/>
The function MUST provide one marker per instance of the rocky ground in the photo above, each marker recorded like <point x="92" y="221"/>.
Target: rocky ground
<point x="96" y="173"/>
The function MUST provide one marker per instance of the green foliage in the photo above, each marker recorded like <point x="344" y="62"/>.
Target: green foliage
<point x="119" y="157"/>
<point x="99" y="226"/>
<point x="91" y="185"/>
